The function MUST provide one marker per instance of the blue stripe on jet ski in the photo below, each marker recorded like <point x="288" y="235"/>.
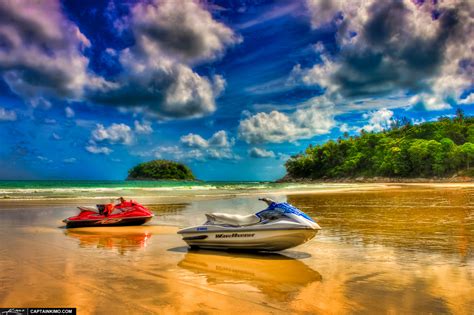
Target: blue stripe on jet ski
<point x="287" y="208"/>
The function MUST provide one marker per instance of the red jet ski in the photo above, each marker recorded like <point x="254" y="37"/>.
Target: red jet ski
<point x="124" y="213"/>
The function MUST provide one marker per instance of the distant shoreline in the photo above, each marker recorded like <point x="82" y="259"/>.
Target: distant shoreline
<point x="378" y="180"/>
<point x="147" y="179"/>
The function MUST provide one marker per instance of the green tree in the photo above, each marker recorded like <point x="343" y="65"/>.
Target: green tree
<point x="459" y="115"/>
<point x="467" y="151"/>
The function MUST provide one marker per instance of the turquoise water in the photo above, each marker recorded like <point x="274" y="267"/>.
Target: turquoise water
<point x="58" y="189"/>
<point x="93" y="184"/>
<point x="51" y="184"/>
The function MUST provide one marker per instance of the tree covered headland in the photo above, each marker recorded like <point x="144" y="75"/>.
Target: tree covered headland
<point x="430" y="149"/>
<point x="160" y="170"/>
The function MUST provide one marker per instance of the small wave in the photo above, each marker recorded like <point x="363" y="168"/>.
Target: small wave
<point x="104" y="189"/>
<point x="51" y="192"/>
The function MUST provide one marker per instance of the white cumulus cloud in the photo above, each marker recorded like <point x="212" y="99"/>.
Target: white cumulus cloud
<point x="44" y="159"/>
<point x="467" y="100"/>
<point x="171" y="37"/>
<point x="261" y="153"/>
<point x="7" y="115"/>
<point x="192" y="140"/>
<point x="217" y="147"/>
<point x="143" y="128"/>
<point x="182" y="29"/>
<point x="115" y="133"/>
<point x="42" y="56"/>
<point x="94" y="149"/>
<point x="29" y="32"/>
<point x="278" y="127"/>
<point x="378" y="120"/>
<point x="69" y="112"/>
<point x="217" y="140"/>
<point x="392" y="47"/>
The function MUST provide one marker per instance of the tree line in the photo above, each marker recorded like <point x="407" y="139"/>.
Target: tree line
<point x="440" y="148"/>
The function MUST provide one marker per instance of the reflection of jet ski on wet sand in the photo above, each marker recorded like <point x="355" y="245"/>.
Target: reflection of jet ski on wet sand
<point x="278" y="227"/>
<point x="122" y="238"/>
<point x="123" y="213"/>
<point x="275" y="275"/>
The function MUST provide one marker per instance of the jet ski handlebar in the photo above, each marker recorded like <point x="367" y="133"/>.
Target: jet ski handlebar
<point x="268" y="201"/>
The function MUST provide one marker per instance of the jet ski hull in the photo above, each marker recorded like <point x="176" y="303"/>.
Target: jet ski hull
<point x="252" y="240"/>
<point x="129" y="213"/>
<point x="106" y="222"/>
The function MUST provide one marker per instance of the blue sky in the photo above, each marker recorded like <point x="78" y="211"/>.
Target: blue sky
<point x="232" y="88"/>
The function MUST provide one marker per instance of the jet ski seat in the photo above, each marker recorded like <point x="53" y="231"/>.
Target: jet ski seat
<point x="232" y="219"/>
<point x="88" y="209"/>
<point x="100" y="209"/>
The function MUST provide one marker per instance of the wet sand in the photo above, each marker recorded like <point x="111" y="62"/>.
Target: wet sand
<point x="407" y="249"/>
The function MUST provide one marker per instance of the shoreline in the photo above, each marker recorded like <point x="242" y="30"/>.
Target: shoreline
<point x="378" y="180"/>
<point x="182" y="197"/>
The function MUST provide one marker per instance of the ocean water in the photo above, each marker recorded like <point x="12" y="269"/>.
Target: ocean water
<point x="58" y="189"/>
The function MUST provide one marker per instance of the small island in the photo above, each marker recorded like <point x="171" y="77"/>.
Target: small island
<point x="440" y="150"/>
<point x="161" y="170"/>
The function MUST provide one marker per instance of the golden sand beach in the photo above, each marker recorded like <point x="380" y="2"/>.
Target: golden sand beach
<point x="398" y="249"/>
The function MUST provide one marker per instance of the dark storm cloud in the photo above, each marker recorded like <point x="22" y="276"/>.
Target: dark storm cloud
<point x="27" y="27"/>
<point x="41" y="51"/>
<point x="157" y="72"/>
<point x="28" y="81"/>
<point x="154" y="89"/>
<point x="389" y="57"/>
<point x="42" y="54"/>
<point x="176" y="38"/>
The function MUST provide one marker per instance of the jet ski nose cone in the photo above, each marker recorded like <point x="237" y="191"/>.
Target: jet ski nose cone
<point x="316" y="226"/>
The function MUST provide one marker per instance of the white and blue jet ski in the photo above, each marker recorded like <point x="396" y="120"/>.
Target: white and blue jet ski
<point x="278" y="227"/>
